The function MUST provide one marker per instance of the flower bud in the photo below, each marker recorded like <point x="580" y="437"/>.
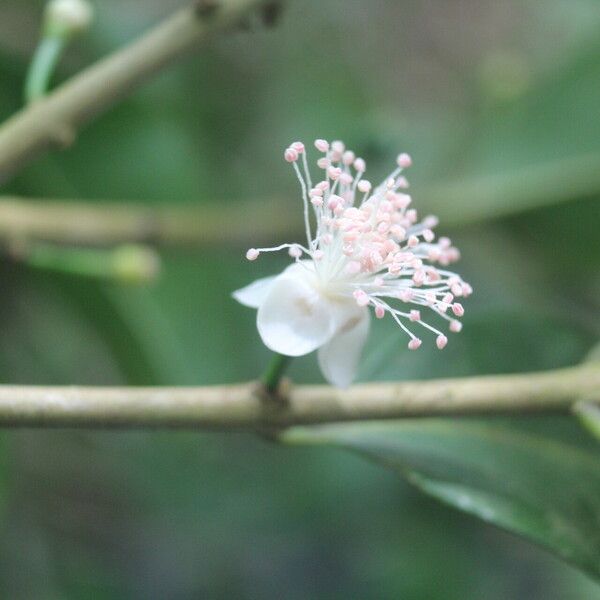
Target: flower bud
<point x="135" y="264"/>
<point x="68" y="17"/>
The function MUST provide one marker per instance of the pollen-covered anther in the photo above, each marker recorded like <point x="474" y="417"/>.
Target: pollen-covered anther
<point x="414" y="344"/>
<point x="295" y="251"/>
<point x="458" y="309"/>
<point x="291" y="155"/>
<point x="418" y="278"/>
<point x="322" y="145"/>
<point x="298" y="147"/>
<point x="404" y="160"/>
<point x="364" y="186"/>
<point x="441" y="341"/>
<point x="443" y="307"/>
<point x="406" y="295"/>
<point x="455" y="326"/>
<point x="360" y="165"/>
<point x="361" y="297"/>
<point x="348" y="157"/>
<point x="415" y="315"/>
<point x="379" y="311"/>
<point x="252" y="254"/>
<point x="334" y="173"/>
<point x="337" y="149"/>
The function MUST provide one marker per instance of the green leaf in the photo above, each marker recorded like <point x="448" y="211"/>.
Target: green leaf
<point x="541" y="484"/>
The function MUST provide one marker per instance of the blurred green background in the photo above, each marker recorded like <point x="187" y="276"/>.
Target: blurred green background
<point x="481" y="93"/>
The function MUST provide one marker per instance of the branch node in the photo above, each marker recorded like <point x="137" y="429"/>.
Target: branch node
<point x="277" y="399"/>
<point x="63" y="135"/>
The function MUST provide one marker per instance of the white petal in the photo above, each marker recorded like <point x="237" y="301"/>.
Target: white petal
<point x="339" y="358"/>
<point x="254" y="294"/>
<point x="294" y="318"/>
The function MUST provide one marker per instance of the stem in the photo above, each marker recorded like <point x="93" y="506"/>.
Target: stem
<point x="53" y="121"/>
<point x="475" y="199"/>
<point x="274" y="372"/>
<point x="73" y="222"/>
<point x="109" y="223"/>
<point x="238" y="407"/>
<point x="42" y="66"/>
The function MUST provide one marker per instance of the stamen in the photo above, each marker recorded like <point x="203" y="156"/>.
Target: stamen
<point x="404" y="160"/>
<point x="322" y="145"/>
<point x="374" y="248"/>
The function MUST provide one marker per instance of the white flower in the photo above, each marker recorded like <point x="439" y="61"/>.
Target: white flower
<point x="369" y="250"/>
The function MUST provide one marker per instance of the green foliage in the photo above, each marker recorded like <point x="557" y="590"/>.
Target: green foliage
<point x="542" y="486"/>
<point x="155" y="515"/>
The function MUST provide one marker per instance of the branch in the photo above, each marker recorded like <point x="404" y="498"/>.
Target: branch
<point x="54" y="120"/>
<point x="241" y="407"/>
<point x="75" y="222"/>
<point x="104" y="224"/>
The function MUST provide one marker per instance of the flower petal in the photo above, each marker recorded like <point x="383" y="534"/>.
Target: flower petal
<point x="254" y="294"/>
<point x="339" y="357"/>
<point x="294" y="319"/>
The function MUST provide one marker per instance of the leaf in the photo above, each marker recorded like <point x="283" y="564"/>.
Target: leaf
<point x="541" y="485"/>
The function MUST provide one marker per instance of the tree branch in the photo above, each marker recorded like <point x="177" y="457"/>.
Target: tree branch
<point x="243" y="407"/>
<point x="54" y="120"/>
<point x="109" y="223"/>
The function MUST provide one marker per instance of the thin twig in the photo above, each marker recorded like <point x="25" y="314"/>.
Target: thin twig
<point x="105" y="223"/>
<point x="53" y="122"/>
<point x="240" y="407"/>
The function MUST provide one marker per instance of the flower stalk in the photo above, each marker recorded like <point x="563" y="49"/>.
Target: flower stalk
<point x="43" y="64"/>
<point x="274" y="372"/>
<point x="54" y="120"/>
<point x="63" y="20"/>
<point x="128" y="264"/>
